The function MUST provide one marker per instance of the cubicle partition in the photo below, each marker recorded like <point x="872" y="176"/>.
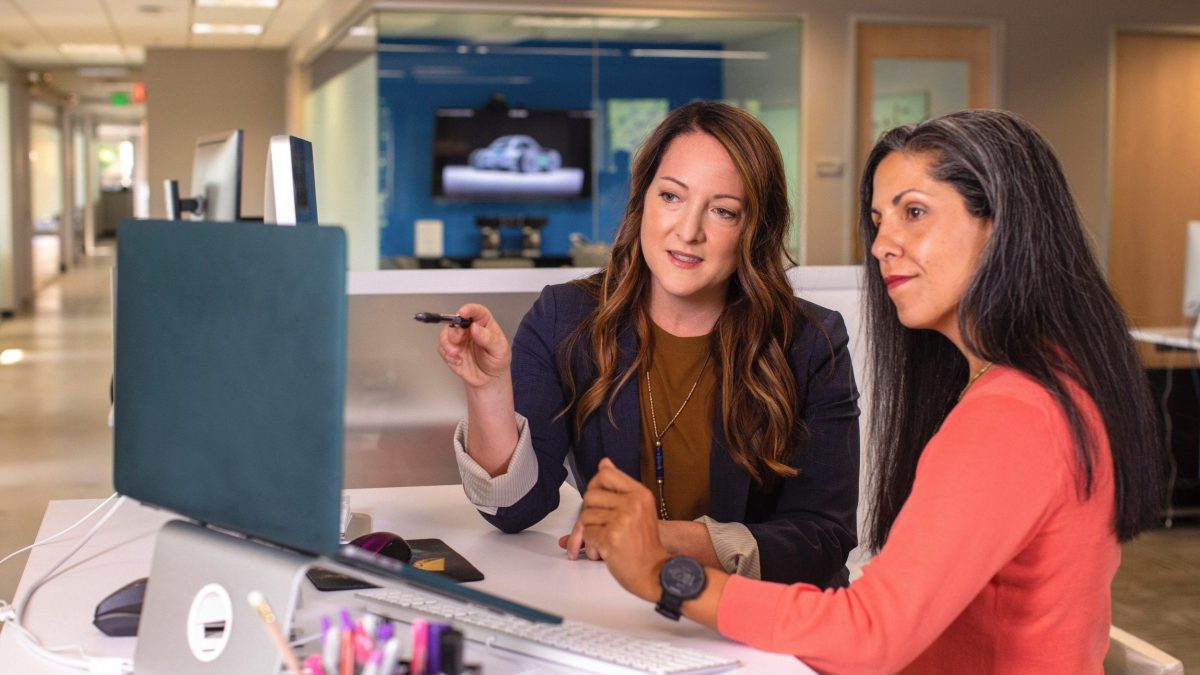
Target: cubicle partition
<point x="402" y="403"/>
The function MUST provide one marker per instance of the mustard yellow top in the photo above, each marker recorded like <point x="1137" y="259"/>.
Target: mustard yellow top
<point x="675" y="365"/>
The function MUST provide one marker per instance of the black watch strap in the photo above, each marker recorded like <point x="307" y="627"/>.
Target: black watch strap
<point x="670" y="606"/>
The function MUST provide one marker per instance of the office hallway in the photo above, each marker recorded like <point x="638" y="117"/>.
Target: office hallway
<point x="55" y="443"/>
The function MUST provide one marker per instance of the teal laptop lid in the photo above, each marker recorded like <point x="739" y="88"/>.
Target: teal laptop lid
<point x="230" y="375"/>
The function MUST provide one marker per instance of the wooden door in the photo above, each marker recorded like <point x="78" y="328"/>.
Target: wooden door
<point x="916" y="44"/>
<point x="1155" y="176"/>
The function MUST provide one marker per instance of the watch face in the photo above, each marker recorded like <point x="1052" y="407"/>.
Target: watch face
<point x="683" y="577"/>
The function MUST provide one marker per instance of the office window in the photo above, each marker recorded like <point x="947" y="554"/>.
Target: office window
<point x="622" y="73"/>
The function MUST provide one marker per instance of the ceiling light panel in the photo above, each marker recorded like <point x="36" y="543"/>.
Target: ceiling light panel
<point x="253" y="4"/>
<point x="40" y="55"/>
<point x="227" y="28"/>
<point x="586" y="22"/>
<point x="89" y="49"/>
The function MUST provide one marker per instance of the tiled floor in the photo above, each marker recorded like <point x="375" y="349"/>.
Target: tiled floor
<point x="1156" y="594"/>
<point x="55" y="443"/>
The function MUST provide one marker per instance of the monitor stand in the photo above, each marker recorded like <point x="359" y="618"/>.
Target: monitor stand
<point x="196" y="618"/>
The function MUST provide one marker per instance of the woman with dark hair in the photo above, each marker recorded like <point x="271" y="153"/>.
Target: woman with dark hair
<point x="688" y="362"/>
<point x="1013" y="437"/>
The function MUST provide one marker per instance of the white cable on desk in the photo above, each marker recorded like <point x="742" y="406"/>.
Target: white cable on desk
<point x="59" y="533"/>
<point x="14" y="614"/>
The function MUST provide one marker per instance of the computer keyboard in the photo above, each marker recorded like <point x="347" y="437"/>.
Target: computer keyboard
<point x="571" y="643"/>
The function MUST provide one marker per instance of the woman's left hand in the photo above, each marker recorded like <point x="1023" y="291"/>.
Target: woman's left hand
<point x="619" y="520"/>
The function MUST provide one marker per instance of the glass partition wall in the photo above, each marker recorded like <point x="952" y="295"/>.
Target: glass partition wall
<point x="504" y="139"/>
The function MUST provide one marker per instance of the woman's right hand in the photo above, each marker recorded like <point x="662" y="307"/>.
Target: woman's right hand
<point x="481" y="356"/>
<point x="480" y="353"/>
<point x="574" y="544"/>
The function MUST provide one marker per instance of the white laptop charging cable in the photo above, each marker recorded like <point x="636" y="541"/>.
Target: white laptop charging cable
<point x="14" y="614"/>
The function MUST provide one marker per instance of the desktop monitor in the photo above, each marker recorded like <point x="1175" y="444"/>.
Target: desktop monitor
<point x="1191" y="273"/>
<point x="230" y="354"/>
<point x="290" y="197"/>
<point x="216" y="189"/>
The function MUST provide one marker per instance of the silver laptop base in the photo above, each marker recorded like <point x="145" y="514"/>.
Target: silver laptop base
<point x="196" y="618"/>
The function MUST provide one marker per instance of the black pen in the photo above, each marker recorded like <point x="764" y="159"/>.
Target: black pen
<point x="433" y="317"/>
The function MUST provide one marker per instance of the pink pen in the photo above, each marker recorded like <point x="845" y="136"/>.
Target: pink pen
<point x="374" y="661"/>
<point x="364" y="642"/>
<point x="312" y="665"/>
<point x="420" y="634"/>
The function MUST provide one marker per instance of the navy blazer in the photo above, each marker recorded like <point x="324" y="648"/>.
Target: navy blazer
<point x="805" y="526"/>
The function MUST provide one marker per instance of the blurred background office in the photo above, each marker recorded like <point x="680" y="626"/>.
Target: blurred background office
<point x="102" y="100"/>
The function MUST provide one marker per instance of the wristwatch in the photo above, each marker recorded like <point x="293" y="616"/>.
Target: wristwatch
<point x="682" y="579"/>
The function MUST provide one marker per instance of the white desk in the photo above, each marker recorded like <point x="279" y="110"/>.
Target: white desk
<point x="1179" y="337"/>
<point x="528" y="567"/>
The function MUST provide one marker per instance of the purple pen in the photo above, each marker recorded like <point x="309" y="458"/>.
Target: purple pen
<point x="433" y="647"/>
<point x="331" y="645"/>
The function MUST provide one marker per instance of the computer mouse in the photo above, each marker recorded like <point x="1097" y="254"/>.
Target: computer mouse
<point x="117" y="615"/>
<point x="386" y="544"/>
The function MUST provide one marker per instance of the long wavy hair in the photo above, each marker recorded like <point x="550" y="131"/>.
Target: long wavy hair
<point x="750" y="341"/>
<point x="1037" y="303"/>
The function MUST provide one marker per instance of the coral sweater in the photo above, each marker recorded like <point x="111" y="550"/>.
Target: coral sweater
<point x="996" y="563"/>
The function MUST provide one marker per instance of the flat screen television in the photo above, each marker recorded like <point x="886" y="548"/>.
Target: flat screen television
<point x="510" y="155"/>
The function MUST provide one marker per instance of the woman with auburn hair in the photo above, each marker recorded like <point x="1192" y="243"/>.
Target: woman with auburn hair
<point x="1012" y="431"/>
<point x="686" y="361"/>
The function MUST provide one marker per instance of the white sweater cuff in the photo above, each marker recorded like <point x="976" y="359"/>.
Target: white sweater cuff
<point x="736" y="547"/>
<point x="490" y="493"/>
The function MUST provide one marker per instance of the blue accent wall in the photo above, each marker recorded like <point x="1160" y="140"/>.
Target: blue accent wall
<point x="418" y="77"/>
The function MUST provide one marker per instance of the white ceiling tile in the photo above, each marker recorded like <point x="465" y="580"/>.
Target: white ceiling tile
<point x="19" y="35"/>
<point x="14" y="23"/>
<point x="54" y="13"/>
<point x="165" y="6"/>
<point x="31" y="33"/>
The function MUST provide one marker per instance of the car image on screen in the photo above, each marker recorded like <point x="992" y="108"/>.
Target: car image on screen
<point x="516" y="152"/>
